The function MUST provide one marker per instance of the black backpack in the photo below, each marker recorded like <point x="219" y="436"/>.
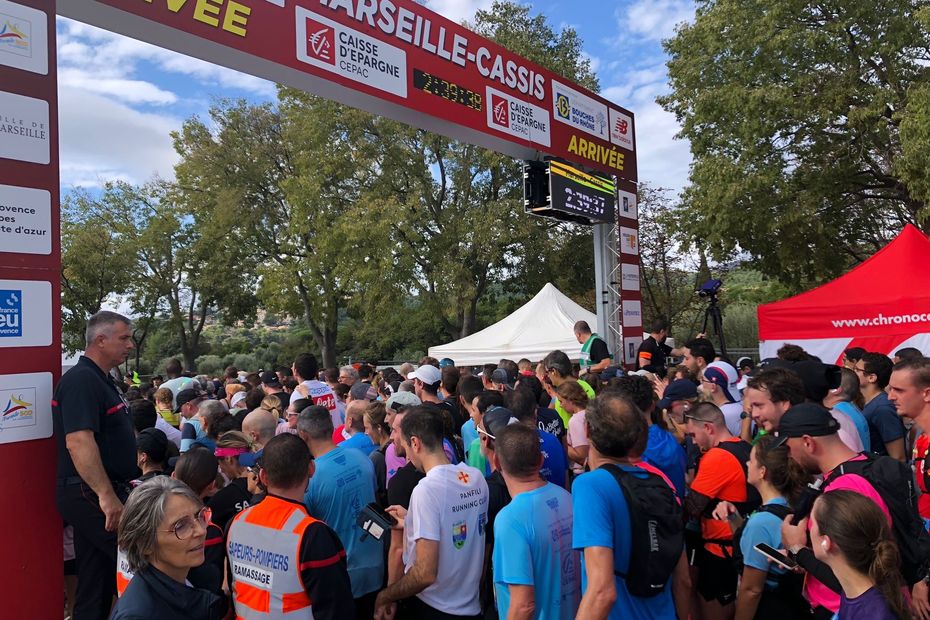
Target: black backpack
<point x="657" y="532"/>
<point x="895" y="484"/>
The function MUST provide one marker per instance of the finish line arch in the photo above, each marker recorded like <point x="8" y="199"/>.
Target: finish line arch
<point x="394" y="58"/>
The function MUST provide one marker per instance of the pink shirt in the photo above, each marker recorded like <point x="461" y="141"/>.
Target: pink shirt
<point x="577" y="436"/>
<point x="392" y="462"/>
<point x="816" y="592"/>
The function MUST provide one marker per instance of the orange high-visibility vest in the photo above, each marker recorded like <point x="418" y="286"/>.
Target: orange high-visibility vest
<point x="263" y="547"/>
<point x="123" y="574"/>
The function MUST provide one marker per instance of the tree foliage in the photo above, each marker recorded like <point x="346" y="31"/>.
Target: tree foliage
<point x="175" y="262"/>
<point x="97" y="265"/>
<point x="808" y="124"/>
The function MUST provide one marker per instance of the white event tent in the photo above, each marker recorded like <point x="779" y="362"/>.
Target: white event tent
<point x="541" y="325"/>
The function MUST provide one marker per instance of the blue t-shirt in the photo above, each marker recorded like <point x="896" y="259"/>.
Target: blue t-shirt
<point x="602" y="519"/>
<point x="884" y="424"/>
<point x="554" y="462"/>
<point x="190" y="432"/>
<point x="862" y="426"/>
<point x="206" y="442"/>
<point x="667" y="455"/>
<point x="469" y="434"/>
<point x="343" y="484"/>
<point x="762" y="527"/>
<point x="533" y="547"/>
<point x="360" y="441"/>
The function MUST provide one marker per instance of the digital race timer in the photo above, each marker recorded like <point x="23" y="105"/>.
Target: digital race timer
<point x="429" y="83"/>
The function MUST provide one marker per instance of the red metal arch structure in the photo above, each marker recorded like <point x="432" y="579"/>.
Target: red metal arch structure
<point x="389" y="57"/>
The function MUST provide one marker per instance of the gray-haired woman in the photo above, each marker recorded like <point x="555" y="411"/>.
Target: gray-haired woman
<point x="161" y="534"/>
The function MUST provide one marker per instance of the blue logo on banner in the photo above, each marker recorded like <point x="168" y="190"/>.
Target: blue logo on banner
<point x="11" y="313"/>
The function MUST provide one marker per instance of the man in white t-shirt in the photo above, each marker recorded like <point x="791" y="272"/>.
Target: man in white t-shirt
<point x="305" y="370"/>
<point x="444" y="530"/>
<point x="719" y="381"/>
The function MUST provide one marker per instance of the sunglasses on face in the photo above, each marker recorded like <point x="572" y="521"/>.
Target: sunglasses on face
<point x="481" y="431"/>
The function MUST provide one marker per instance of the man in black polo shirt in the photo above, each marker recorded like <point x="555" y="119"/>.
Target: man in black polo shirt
<point x="96" y="459"/>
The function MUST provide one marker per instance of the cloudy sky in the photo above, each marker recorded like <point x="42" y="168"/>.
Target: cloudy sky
<point x="112" y="87"/>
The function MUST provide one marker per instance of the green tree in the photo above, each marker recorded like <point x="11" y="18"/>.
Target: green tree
<point x="293" y="179"/>
<point x="808" y="125"/>
<point x="459" y="226"/>
<point x="184" y="266"/>
<point x="97" y="264"/>
<point x="669" y="276"/>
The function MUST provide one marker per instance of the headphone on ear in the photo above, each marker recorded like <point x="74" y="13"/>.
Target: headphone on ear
<point x="823" y="545"/>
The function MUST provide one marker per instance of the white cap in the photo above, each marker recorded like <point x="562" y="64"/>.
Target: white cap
<point x="724" y="376"/>
<point x="427" y="373"/>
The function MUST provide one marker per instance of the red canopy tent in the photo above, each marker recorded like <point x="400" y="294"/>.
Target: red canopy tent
<point x="881" y="305"/>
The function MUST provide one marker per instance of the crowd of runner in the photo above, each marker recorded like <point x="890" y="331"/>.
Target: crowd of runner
<point x="710" y="489"/>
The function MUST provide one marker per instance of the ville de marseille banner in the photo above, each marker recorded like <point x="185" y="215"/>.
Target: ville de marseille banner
<point x="389" y="57"/>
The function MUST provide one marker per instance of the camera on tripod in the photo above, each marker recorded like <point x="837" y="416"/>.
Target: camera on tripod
<point x="712" y="314"/>
<point x="710" y="288"/>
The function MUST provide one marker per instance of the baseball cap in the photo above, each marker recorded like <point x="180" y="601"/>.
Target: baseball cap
<point x="744" y="362"/>
<point x="187" y="396"/>
<point x="363" y="391"/>
<point x="270" y="378"/>
<point x="237" y="398"/>
<point x="402" y="400"/>
<point x="446" y="361"/>
<point x="680" y="389"/>
<point x="154" y="442"/>
<point x="724" y="376"/>
<point x="427" y="373"/>
<point x="248" y="459"/>
<point x="496" y="419"/>
<point x="806" y="419"/>
<point x="502" y="376"/>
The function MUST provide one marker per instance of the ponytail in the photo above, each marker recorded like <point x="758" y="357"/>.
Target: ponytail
<point x="885" y="572"/>
<point x="860" y="530"/>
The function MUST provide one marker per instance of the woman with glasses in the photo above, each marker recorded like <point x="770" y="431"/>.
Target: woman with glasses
<point x="162" y="532"/>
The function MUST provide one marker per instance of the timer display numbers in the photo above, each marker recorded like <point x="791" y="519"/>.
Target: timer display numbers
<point x="577" y="193"/>
<point x="450" y="91"/>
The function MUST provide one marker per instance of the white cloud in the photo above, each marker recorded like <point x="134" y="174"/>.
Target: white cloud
<point x="662" y="159"/>
<point x="103" y="140"/>
<point x="656" y="19"/>
<point x="130" y="91"/>
<point x="102" y="54"/>
<point x="212" y="74"/>
<point x="638" y="86"/>
<point x="458" y="10"/>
